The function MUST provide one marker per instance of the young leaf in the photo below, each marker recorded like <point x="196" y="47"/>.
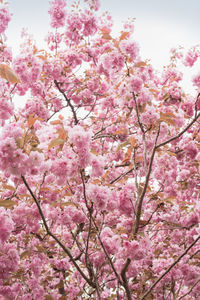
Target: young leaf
<point x="140" y="64"/>
<point x="9" y="187"/>
<point x="7" y="73"/>
<point x="31" y="120"/>
<point x="7" y="203"/>
<point x="56" y="142"/>
<point x="124" y="35"/>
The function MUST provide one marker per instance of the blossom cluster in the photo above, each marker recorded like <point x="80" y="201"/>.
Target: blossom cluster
<point x="99" y="169"/>
<point x="5" y="18"/>
<point x="58" y="13"/>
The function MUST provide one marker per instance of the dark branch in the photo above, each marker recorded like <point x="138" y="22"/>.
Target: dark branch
<point x="121" y="176"/>
<point x="106" y="253"/>
<point x="123" y="275"/>
<point x="68" y="101"/>
<point x="138" y="116"/>
<point x="190" y="290"/>
<point x="66" y="250"/>
<point x="169" y="269"/>
<point x="139" y="208"/>
<point x="180" y="133"/>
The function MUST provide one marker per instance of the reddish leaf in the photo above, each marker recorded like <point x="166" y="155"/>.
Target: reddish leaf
<point x="124" y="35"/>
<point x="140" y="64"/>
<point x="56" y="122"/>
<point x="31" y="120"/>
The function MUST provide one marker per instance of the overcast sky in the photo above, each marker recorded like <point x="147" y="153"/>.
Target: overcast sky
<point x="159" y="26"/>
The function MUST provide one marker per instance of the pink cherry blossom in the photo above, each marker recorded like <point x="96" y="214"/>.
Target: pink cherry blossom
<point x="58" y="13"/>
<point x="196" y="80"/>
<point x="99" y="165"/>
<point x="6" y="225"/>
<point x="191" y="57"/>
<point x="130" y="49"/>
<point x="5" y="17"/>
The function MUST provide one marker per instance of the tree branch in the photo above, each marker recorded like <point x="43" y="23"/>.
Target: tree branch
<point x="122" y="175"/>
<point x="148" y="221"/>
<point x="123" y="275"/>
<point x="138" y="116"/>
<point x="106" y="253"/>
<point x="139" y="208"/>
<point x="180" y="133"/>
<point x="190" y="290"/>
<point x="66" y="250"/>
<point x="169" y="269"/>
<point x="68" y="101"/>
<point x="135" y="171"/>
<point x="93" y="106"/>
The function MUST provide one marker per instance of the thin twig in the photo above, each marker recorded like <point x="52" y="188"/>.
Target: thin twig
<point x="135" y="171"/>
<point x="148" y="221"/>
<point x="196" y="109"/>
<point x="98" y="289"/>
<point x="145" y="153"/>
<point x="180" y="133"/>
<point x="190" y="290"/>
<point x="107" y="135"/>
<point x="106" y="253"/>
<point x="43" y="179"/>
<point x="93" y="106"/>
<point x="55" y="112"/>
<point x="138" y="116"/>
<point x="122" y="175"/>
<point x="84" y="191"/>
<point x="98" y="232"/>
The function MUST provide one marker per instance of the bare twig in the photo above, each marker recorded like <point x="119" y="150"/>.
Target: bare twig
<point x="98" y="289"/>
<point x="145" y="153"/>
<point x="128" y="71"/>
<point x="13" y="88"/>
<point x="107" y="135"/>
<point x="84" y="192"/>
<point x="88" y="238"/>
<point x="196" y="109"/>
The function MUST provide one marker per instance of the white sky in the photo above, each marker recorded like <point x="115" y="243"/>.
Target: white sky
<point x="160" y="25"/>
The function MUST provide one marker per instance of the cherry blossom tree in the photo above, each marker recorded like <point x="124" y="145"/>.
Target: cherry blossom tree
<point x="99" y="169"/>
